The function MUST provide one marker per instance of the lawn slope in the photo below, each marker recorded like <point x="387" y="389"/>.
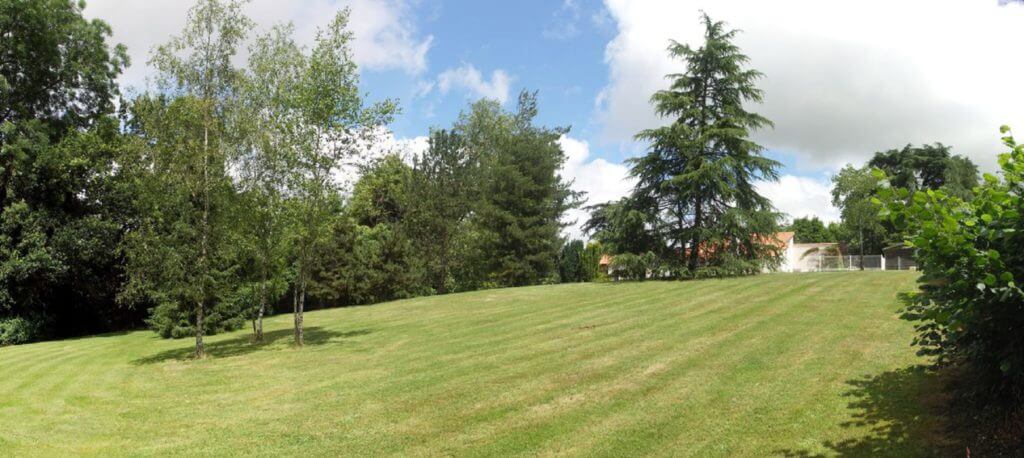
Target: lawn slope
<point x="774" y="364"/>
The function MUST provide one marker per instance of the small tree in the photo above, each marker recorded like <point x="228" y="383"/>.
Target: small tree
<point x="852" y="191"/>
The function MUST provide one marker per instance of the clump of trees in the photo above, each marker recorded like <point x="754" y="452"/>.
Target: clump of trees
<point x="970" y="307"/>
<point x="695" y="206"/>
<point x="213" y="201"/>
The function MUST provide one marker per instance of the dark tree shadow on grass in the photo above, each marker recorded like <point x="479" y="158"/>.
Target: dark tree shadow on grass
<point x="244" y="344"/>
<point x="903" y="413"/>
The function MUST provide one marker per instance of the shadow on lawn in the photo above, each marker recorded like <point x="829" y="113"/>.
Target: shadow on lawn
<point x="244" y="344"/>
<point x="903" y="411"/>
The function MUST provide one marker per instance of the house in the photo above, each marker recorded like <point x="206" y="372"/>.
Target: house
<point x="604" y="265"/>
<point x="802" y="257"/>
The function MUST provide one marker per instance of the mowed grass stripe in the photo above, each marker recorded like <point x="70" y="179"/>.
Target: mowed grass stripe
<point x="722" y="367"/>
<point x="637" y="381"/>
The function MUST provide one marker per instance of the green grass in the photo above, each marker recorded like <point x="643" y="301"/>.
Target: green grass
<point x="776" y="364"/>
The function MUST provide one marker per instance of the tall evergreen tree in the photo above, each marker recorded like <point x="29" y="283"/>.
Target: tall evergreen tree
<point x="699" y="174"/>
<point x="523" y="198"/>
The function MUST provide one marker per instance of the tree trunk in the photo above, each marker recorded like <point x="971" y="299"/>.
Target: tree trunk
<point x="203" y="260"/>
<point x="299" y="337"/>
<point x="862" y="248"/>
<point x="696" y="240"/>
<point x="258" y="323"/>
<point x="200" y="349"/>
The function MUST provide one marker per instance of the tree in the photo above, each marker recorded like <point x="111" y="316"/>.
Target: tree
<point x="62" y="195"/>
<point x="852" y="191"/>
<point x="592" y="261"/>
<point x="442" y="192"/>
<point x="332" y="125"/>
<point x="188" y="198"/>
<point x="698" y="177"/>
<point x="928" y="167"/>
<point x="570" y="262"/>
<point x="623" y="226"/>
<point x="267" y="149"/>
<point x="522" y="198"/>
<point x="811" y="230"/>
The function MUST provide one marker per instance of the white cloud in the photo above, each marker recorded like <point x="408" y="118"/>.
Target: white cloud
<point x="469" y="78"/>
<point x="601" y="180"/>
<point x="386" y="37"/>
<point x="843" y="79"/>
<point x="798" y="196"/>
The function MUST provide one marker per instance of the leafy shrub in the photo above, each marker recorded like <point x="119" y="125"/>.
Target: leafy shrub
<point x="970" y="308"/>
<point x="728" y="266"/>
<point x="629" y="266"/>
<point x="18" y="330"/>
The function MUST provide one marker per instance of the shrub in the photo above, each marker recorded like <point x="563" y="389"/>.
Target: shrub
<point x="969" y="308"/>
<point x="18" y="330"/>
<point x="629" y="266"/>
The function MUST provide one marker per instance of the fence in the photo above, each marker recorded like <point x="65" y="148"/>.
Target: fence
<point x="857" y="262"/>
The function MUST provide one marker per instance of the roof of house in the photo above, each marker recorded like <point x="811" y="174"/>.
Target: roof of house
<point x="605" y="260"/>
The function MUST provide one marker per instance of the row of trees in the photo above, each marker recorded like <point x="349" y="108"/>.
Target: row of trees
<point x="215" y="199"/>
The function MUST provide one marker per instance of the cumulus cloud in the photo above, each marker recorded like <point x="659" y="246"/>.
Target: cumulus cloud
<point x="468" y="78"/>
<point x="386" y="37"/>
<point x="601" y="180"/>
<point x="842" y="79"/>
<point x="798" y="196"/>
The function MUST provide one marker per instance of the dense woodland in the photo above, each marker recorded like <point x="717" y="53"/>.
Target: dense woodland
<point x="214" y="200"/>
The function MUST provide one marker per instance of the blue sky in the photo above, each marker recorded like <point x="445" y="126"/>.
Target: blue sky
<point x="540" y="45"/>
<point x="843" y="79"/>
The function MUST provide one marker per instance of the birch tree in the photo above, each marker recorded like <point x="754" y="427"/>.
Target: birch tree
<point x="186" y="129"/>
<point x="266" y="121"/>
<point x="334" y="124"/>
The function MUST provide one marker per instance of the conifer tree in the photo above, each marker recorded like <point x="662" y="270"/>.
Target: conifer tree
<point x="698" y="177"/>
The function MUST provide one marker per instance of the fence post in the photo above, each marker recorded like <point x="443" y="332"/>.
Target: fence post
<point x="899" y="263"/>
<point x="883" y="262"/>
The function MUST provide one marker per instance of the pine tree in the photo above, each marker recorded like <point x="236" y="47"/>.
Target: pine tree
<point x="698" y="177"/>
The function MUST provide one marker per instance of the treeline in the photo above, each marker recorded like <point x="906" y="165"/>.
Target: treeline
<point x="214" y="199"/>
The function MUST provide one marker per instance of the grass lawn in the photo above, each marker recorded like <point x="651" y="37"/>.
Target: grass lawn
<point x="787" y="364"/>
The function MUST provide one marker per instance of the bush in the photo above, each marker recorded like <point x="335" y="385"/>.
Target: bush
<point x="18" y="330"/>
<point x="970" y="308"/>
<point x="629" y="266"/>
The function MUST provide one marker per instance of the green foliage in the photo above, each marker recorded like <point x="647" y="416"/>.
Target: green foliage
<point x="971" y="254"/>
<point x="365" y="264"/>
<point x="928" y="167"/>
<point x="442" y="193"/>
<point x="522" y="198"/>
<point x="591" y="261"/>
<point x="19" y="330"/>
<point x="622" y="227"/>
<point x="697" y="182"/>
<point x="852" y="191"/>
<point x="629" y="266"/>
<point x="570" y="262"/>
<point x="811" y="230"/>
<point x="62" y="208"/>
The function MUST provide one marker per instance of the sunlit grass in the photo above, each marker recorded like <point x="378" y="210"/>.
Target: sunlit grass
<point x="782" y="363"/>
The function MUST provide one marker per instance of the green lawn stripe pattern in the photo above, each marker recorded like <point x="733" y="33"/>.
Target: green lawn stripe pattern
<point x="733" y="367"/>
